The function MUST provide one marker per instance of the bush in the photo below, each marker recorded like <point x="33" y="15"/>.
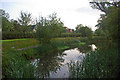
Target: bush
<point x="16" y="66"/>
<point x="69" y="35"/>
<point x="16" y="35"/>
<point x="98" y="64"/>
<point x="43" y="48"/>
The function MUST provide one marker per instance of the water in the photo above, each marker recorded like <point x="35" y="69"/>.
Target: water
<point x="54" y="65"/>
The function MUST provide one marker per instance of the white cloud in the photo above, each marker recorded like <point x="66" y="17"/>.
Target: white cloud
<point x="72" y="12"/>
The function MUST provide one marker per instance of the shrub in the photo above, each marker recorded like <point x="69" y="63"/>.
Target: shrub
<point x="69" y="35"/>
<point x="98" y="64"/>
<point x="16" y="66"/>
<point x="16" y="35"/>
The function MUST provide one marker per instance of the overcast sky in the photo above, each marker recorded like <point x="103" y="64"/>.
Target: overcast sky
<point x="71" y="12"/>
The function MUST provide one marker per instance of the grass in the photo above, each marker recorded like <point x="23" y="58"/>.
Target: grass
<point x="11" y="55"/>
<point x="18" y="43"/>
<point x="102" y="63"/>
<point x="63" y="47"/>
<point x="99" y="64"/>
<point x="17" y="67"/>
<point x="13" y="40"/>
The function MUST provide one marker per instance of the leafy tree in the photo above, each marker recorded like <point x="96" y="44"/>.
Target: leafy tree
<point x="100" y="21"/>
<point x="103" y="6"/>
<point x="112" y="22"/>
<point x="4" y="14"/>
<point x="16" y="25"/>
<point x="109" y="22"/>
<point x="6" y="24"/>
<point x="84" y="31"/>
<point x="99" y="32"/>
<point x="78" y="27"/>
<point x="48" y="28"/>
<point x="25" y="20"/>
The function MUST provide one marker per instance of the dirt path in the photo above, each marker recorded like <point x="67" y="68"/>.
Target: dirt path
<point x="27" y="48"/>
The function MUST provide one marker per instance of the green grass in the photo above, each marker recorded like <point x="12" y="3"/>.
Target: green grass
<point x="13" y="40"/>
<point x="17" y="67"/>
<point x="18" y="43"/>
<point x="102" y="63"/>
<point x="12" y="55"/>
<point x="63" y="47"/>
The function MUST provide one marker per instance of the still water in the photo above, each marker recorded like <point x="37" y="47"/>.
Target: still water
<point x="55" y="65"/>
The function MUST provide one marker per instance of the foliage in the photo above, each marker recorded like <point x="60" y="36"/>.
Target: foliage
<point x="21" y="58"/>
<point x="101" y="24"/>
<point x="99" y="32"/>
<point x="16" y="25"/>
<point x="7" y="25"/>
<point x="25" y="20"/>
<point x="17" y="68"/>
<point x="17" y="35"/>
<point x="112" y="22"/>
<point x="85" y="31"/>
<point x="22" y="25"/>
<point x="103" y="6"/>
<point x="4" y="14"/>
<point x="109" y="22"/>
<point x="69" y="35"/>
<point x="98" y="64"/>
<point x="42" y="49"/>
<point x="48" y="28"/>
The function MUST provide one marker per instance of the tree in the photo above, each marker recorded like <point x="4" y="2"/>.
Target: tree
<point x="103" y="6"/>
<point x="48" y="28"/>
<point x="16" y="25"/>
<point x="112" y="22"/>
<point x="78" y="27"/>
<point x="25" y="20"/>
<point x="84" y="31"/>
<point x="6" y="24"/>
<point x="100" y="22"/>
<point x="99" y="32"/>
<point x="4" y="14"/>
<point x="109" y="23"/>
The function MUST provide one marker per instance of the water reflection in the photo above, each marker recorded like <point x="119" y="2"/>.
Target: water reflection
<point x="46" y="63"/>
<point x="54" y="65"/>
<point x="84" y="48"/>
<point x="93" y="47"/>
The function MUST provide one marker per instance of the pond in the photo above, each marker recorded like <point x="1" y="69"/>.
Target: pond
<point x="55" y="65"/>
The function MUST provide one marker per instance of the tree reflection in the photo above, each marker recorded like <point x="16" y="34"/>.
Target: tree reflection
<point x="48" y="62"/>
<point x="84" y="48"/>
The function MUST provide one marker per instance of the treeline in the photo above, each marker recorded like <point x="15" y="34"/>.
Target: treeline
<point x="23" y="27"/>
<point x="18" y="35"/>
<point x="109" y="22"/>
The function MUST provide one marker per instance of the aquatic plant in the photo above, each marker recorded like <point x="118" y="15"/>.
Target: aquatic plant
<point x="18" y="67"/>
<point x="96" y="64"/>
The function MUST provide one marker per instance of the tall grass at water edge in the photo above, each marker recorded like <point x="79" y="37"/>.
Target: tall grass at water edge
<point x="96" y="64"/>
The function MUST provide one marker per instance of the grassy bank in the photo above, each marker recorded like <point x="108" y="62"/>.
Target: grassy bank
<point x="12" y="55"/>
<point x="18" y="43"/>
<point x="102" y="63"/>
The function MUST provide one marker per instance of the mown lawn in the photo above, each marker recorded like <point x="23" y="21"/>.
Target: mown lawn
<point x="18" y="43"/>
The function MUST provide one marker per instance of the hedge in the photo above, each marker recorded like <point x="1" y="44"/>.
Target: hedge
<point x="69" y="35"/>
<point x="16" y="35"/>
